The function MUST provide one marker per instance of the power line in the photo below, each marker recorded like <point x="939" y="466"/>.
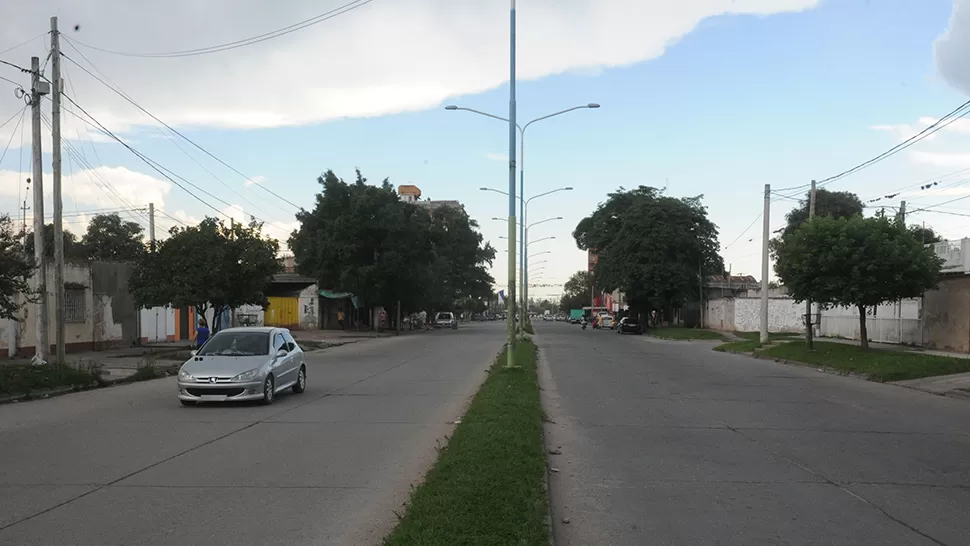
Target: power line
<point x="125" y="96"/>
<point x="753" y="222"/>
<point x="23" y="43"/>
<point x="348" y="7"/>
<point x="147" y="160"/>
<point x="951" y="117"/>
<point x="13" y="133"/>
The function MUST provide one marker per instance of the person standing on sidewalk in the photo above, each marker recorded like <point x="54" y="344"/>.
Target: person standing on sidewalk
<point x="201" y="333"/>
<point x="340" y="318"/>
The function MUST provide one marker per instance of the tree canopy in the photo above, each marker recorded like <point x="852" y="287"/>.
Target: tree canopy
<point x="363" y="239"/>
<point x="650" y="246"/>
<point x="109" y="238"/>
<point x="72" y="247"/>
<point x="16" y="267"/>
<point x="855" y="262"/>
<point x="577" y="292"/>
<point x="209" y="264"/>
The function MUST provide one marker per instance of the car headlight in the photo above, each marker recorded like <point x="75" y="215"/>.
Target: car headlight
<point x="247" y="376"/>
<point x="185" y="376"/>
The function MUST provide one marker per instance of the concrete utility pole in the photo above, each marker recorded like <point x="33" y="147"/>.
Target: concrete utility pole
<point x="808" y="302"/>
<point x="766" y="232"/>
<point x="42" y="339"/>
<point x="60" y="312"/>
<point x="151" y="226"/>
<point x="902" y="214"/>
<point x="700" y="288"/>
<point x="512" y="128"/>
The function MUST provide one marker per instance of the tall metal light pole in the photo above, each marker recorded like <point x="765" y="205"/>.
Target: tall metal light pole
<point x="525" y="232"/>
<point x="511" y="121"/>
<point x="510" y="362"/>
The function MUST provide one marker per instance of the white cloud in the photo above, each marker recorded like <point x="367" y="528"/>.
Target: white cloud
<point x="503" y="158"/>
<point x="951" y="48"/>
<point x="941" y="159"/>
<point x="387" y="57"/>
<point x="255" y="180"/>
<point x="104" y="187"/>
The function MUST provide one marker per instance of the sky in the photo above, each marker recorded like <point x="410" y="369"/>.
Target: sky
<point x="707" y="97"/>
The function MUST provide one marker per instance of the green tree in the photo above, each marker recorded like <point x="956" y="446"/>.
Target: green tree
<point x="109" y="238"/>
<point x="72" y="248"/>
<point x="855" y="262"/>
<point x="925" y="235"/>
<point x="16" y="267"/>
<point x="837" y="204"/>
<point x="208" y="265"/>
<point x="363" y="239"/>
<point x="650" y="246"/>
<point x="577" y="292"/>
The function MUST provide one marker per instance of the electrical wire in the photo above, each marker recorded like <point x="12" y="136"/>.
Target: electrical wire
<point x="23" y="113"/>
<point x="23" y="43"/>
<point x="751" y="225"/>
<point x="345" y="8"/>
<point x="125" y="96"/>
<point x="941" y="123"/>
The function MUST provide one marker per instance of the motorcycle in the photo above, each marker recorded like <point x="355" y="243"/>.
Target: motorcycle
<point x="584" y="325"/>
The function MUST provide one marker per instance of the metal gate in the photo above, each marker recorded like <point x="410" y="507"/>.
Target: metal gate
<point x="283" y="312"/>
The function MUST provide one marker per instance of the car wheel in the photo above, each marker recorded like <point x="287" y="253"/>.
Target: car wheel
<point x="187" y="402"/>
<point x="300" y="385"/>
<point x="269" y="390"/>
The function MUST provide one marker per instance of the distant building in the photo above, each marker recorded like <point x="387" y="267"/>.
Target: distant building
<point x="410" y="193"/>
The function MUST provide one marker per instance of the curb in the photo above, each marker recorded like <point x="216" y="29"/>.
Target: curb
<point x="61" y="391"/>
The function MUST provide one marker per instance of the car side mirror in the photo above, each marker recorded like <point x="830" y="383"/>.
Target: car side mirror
<point x="193" y="352"/>
<point x="281" y="352"/>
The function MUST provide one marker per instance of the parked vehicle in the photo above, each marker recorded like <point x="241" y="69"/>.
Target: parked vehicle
<point x="446" y="319"/>
<point x="248" y="363"/>
<point x="629" y="325"/>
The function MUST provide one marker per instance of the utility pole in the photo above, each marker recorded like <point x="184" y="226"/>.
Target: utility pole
<point x="902" y="214"/>
<point x="23" y="218"/>
<point x="808" y="303"/>
<point x="42" y="340"/>
<point x="700" y="290"/>
<point x="151" y="226"/>
<point x="512" y="129"/>
<point x="766" y="232"/>
<point x="60" y="313"/>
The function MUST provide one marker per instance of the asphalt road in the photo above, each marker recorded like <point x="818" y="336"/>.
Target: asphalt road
<point x="669" y="442"/>
<point x="129" y="465"/>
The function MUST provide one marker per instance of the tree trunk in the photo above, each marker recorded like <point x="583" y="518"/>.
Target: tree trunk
<point x="862" y="327"/>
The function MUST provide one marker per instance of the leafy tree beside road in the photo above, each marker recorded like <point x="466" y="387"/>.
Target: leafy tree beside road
<point x="577" y="292"/>
<point x="16" y="267"/>
<point x="72" y="247"/>
<point x="855" y="262"/>
<point x="363" y="239"/>
<point x="651" y="246"/>
<point x="109" y="238"/>
<point x="209" y="264"/>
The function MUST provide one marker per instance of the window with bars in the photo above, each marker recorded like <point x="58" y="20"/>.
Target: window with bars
<point x="74" y="305"/>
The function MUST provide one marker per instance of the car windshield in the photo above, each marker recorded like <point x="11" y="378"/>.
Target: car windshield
<point x="237" y="344"/>
<point x="444" y="316"/>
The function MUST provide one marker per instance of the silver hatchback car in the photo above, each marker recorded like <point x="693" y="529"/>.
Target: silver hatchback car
<point x="243" y="364"/>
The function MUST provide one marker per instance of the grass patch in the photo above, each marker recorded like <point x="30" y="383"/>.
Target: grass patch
<point x="676" y="332"/>
<point x="756" y="336"/>
<point x="24" y="379"/>
<point x="488" y="485"/>
<point x="878" y="365"/>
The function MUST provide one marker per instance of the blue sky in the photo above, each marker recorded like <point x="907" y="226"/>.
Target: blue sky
<point x="729" y="105"/>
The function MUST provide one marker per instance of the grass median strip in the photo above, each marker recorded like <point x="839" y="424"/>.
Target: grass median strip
<point x="20" y="379"/>
<point x="488" y="485"/>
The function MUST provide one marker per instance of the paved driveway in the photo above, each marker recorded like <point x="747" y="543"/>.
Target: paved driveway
<point x="671" y="443"/>
<point x="129" y="465"/>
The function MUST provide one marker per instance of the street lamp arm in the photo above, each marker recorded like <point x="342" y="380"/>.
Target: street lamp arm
<point x="486" y="114"/>
<point x="554" y="114"/>
<point x="547" y="193"/>
<point x="543" y="221"/>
